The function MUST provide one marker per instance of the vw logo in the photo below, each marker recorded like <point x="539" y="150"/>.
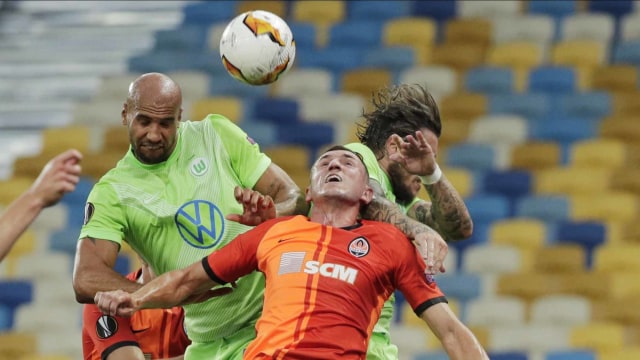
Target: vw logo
<point x="200" y="223"/>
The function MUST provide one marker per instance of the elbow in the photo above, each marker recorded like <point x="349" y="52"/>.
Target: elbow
<point x="465" y="231"/>
<point x="81" y="292"/>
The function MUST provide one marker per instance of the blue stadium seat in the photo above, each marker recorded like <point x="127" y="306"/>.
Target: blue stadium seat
<point x="617" y="8"/>
<point x="225" y="85"/>
<point x="479" y="236"/>
<point x="556" y="8"/>
<point x="488" y="208"/>
<point x="589" y="105"/>
<point x="463" y="287"/>
<point x="275" y="110"/>
<point x="6" y="318"/>
<point x="390" y="58"/>
<point x="627" y="52"/>
<point x="588" y="234"/>
<point x="357" y="33"/>
<point x="209" y="12"/>
<point x="333" y="58"/>
<point x="550" y="208"/>
<point x="65" y="240"/>
<point x="378" y="10"/>
<point x="122" y="265"/>
<point x="439" y="10"/>
<point x="489" y="80"/>
<point x="263" y="132"/>
<point x="170" y="61"/>
<point x="563" y="129"/>
<point x="182" y="38"/>
<point x="313" y="135"/>
<point x="304" y="34"/>
<point x="14" y="293"/>
<point x="571" y="355"/>
<point x="528" y="105"/>
<point x="80" y="194"/>
<point x="510" y="183"/>
<point x="471" y="156"/>
<point x="553" y="79"/>
<point x="510" y="355"/>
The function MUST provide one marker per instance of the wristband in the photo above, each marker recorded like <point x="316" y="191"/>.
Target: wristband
<point x="433" y="178"/>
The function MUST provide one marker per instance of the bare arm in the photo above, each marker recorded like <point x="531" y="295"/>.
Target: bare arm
<point x="126" y="353"/>
<point x="57" y="178"/>
<point x="446" y="213"/>
<point x="286" y="195"/>
<point x="93" y="270"/>
<point x="167" y="290"/>
<point x="458" y="341"/>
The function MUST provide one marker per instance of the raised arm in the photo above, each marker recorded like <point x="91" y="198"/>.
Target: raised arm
<point x="93" y="270"/>
<point x="286" y="195"/>
<point x="458" y="341"/>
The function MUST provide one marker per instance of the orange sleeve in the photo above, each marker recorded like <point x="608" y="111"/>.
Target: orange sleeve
<point x="102" y="334"/>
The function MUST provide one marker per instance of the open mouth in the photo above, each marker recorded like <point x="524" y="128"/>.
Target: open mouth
<point x="333" y="178"/>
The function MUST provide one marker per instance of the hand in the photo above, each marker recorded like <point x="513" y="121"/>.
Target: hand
<point x="414" y="154"/>
<point x="115" y="303"/>
<point x="58" y="177"/>
<point x="433" y="250"/>
<point x="258" y="208"/>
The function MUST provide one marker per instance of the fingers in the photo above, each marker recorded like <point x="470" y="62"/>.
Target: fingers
<point x="71" y="156"/>
<point x="114" y="303"/>
<point x="234" y="217"/>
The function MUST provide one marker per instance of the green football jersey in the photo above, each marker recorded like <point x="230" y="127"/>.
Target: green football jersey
<point x="172" y="214"/>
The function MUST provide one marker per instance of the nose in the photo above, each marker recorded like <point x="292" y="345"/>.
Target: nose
<point x="153" y="133"/>
<point x="334" y="164"/>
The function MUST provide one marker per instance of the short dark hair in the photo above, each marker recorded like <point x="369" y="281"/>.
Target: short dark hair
<point x="399" y="109"/>
<point x="340" y="147"/>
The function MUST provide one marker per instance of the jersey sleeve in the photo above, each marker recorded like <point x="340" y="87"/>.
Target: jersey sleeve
<point x="418" y="287"/>
<point x="103" y="216"/>
<point x="238" y="258"/>
<point x="104" y="334"/>
<point x="247" y="160"/>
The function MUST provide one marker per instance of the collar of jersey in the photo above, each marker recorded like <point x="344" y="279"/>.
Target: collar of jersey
<point x="172" y="158"/>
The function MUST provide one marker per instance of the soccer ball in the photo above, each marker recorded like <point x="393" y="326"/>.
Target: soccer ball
<point x="257" y="47"/>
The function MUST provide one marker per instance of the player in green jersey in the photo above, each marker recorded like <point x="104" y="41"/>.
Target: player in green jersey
<point x="168" y="197"/>
<point x="399" y="140"/>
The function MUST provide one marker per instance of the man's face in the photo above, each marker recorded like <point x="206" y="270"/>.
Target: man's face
<point x="152" y="131"/>
<point x="339" y="174"/>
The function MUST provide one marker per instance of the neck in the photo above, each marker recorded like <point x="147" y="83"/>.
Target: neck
<point x="334" y="214"/>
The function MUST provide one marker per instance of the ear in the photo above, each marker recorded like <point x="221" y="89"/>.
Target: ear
<point x="307" y="196"/>
<point x="390" y="146"/>
<point x="179" y="117"/>
<point x="367" y="196"/>
<point x="123" y="114"/>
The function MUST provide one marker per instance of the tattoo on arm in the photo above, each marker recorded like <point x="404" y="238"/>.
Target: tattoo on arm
<point x="447" y="213"/>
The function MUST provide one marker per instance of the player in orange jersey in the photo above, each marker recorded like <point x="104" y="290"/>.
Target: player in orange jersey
<point x="148" y="334"/>
<point x="327" y="276"/>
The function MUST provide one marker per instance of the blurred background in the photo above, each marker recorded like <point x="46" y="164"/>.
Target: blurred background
<point x="540" y="106"/>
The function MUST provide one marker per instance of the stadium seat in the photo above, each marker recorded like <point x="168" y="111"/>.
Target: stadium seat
<point x="471" y="156"/>
<point x="6" y="318"/>
<point x="526" y="234"/>
<point x="292" y="158"/>
<point x="14" y="345"/>
<point x="365" y="82"/>
<point x="588" y="234"/>
<point x="492" y="259"/>
<point x="531" y="337"/>
<point x="588" y="105"/>
<point x="521" y="56"/>
<point x="261" y="131"/>
<point x="530" y="105"/>
<point x="363" y="33"/>
<point x="304" y="81"/>
<point x="627" y="52"/>
<point x="12" y="188"/>
<point x="49" y="266"/>
<point x="464" y="106"/>
<point x="571" y="181"/>
<point x="598" y="336"/>
<point x="626" y="103"/>
<point x="499" y="130"/>
<point x="228" y="106"/>
<point x="526" y="285"/>
<point x="536" y="155"/>
<point x="544" y="207"/>
<point x="392" y="58"/>
<point x="461" y="179"/>
<point x="440" y="10"/>
<point x="313" y="135"/>
<point x="169" y="60"/>
<point x="495" y="311"/>
<point x="490" y="80"/>
<point x="333" y="59"/>
<point x="337" y="110"/>
<point x="487" y="207"/>
<point x="208" y="12"/>
<point x="562" y="258"/>
<point x="321" y="13"/>
<point x="306" y="35"/>
<point x="598" y="153"/>
<point x="377" y="10"/>
<point x="457" y="131"/>
<point x="615" y="78"/>
<point x="537" y="29"/>
<point x="625" y="353"/>
<point x="588" y="26"/>
<point x="476" y="31"/>
<point x="630" y="27"/>
<point x="416" y="32"/>
<point x="460" y="57"/>
<point x="552" y="80"/>
<point x="224" y="85"/>
<point x="616" y="8"/>
<point x="491" y="9"/>
<point x="571" y="355"/>
<point x="115" y="138"/>
<point x="510" y="183"/>
<point x="584" y="55"/>
<point x="508" y="355"/>
<point x="459" y="286"/>
<point x="278" y="7"/>
<point x="441" y="81"/>
<point x="558" y="9"/>
<point x="431" y="355"/>
<point x="181" y="38"/>
<point x="15" y="292"/>
<point x="617" y="258"/>
<point x="276" y="110"/>
<point x="561" y="310"/>
<point x="563" y="129"/>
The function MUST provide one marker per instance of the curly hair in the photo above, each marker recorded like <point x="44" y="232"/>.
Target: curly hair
<point x="402" y="110"/>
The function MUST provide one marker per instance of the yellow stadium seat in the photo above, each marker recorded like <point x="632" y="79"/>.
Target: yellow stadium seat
<point x="12" y="188"/>
<point x="572" y="181"/>
<point x="598" y="336"/>
<point x="536" y="155"/>
<point x="617" y="258"/>
<point x="459" y="57"/>
<point x="463" y="106"/>
<point x="622" y="311"/>
<point x="521" y="56"/>
<point x="607" y="206"/>
<point x="365" y="82"/>
<point x="522" y="233"/>
<point x="46" y="357"/>
<point x="598" y="153"/>
<point x="583" y="55"/>
<point x="625" y="353"/>
<point x="626" y="103"/>
<point x="275" y="6"/>
<point x="456" y="131"/>
<point x="624" y="128"/>
<point x="617" y="77"/>
<point x="95" y="165"/>
<point x="477" y="31"/>
<point x="600" y="285"/>
<point x="526" y="285"/>
<point x="461" y="179"/>
<point x="560" y="259"/>
<point x="116" y="138"/>
<point x="230" y="107"/>
<point x="294" y="160"/>
<point x="416" y="32"/>
<point x="626" y="180"/>
<point x="14" y="345"/>
<point x="321" y="13"/>
<point x="56" y="140"/>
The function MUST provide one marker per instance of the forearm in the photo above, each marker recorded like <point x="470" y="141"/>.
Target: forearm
<point x="105" y="279"/>
<point x="448" y="214"/>
<point x="381" y="209"/>
<point x="461" y="344"/>
<point x="15" y="220"/>
<point x="290" y="202"/>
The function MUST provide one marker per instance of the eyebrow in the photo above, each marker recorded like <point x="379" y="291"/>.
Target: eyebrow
<point x="345" y="155"/>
